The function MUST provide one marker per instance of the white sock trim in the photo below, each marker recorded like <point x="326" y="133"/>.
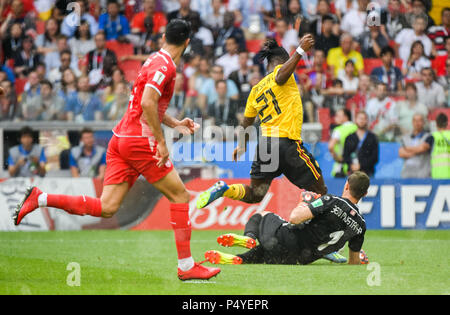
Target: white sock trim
<point x="186" y="263"/>
<point x="42" y="200"/>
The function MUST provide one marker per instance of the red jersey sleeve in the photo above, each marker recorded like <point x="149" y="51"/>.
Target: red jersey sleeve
<point x="158" y="76"/>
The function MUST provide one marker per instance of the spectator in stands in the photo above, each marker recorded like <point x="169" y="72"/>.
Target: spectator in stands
<point x="83" y="105"/>
<point x="178" y="99"/>
<point x="439" y="33"/>
<point x="396" y="20"/>
<point x="95" y="59"/>
<point x="229" y="30"/>
<point x="46" y="106"/>
<point x="26" y="159"/>
<point x="10" y="109"/>
<point x="372" y="42"/>
<point x="117" y="77"/>
<point x="68" y="85"/>
<point x="56" y="74"/>
<point x="32" y="88"/>
<point x="444" y="80"/>
<point x="388" y="73"/>
<point x="148" y="19"/>
<point x="198" y="78"/>
<point x="326" y="39"/>
<point x="323" y="9"/>
<point x="119" y="104"/>
<point x="407" y="108"/>
<point x="82" y="42"/>
<point x="19" y="16"/>
<point x="253" y="16"/>
<point x="286" y="38"/>
<point x="334" y="97"/>
<point x="348" y="78"/>
<point x="382" y="113"/>
<point x="416" y="61"/>
<point x="354" y="22"/>
<point x="201" y="33"/>
<point x="71" y="21"/>
<point x="47" y="42"/>
<point x="215" y="19"/>
<point x="361" y="148"/>
<point x="26" y="59"/>
<point x="53" y="59"/>
<point x="208" y="93"/>
<point x="114" y="24"/>
<point x="230" y="61"/>
<point x="223" y="109"/>
<point x="415" y="150"/>
<point x="241" y="78"/>
<point x="87" y="159"/>
<point x="183" y="12"/>
<point x="12" y="43"/>
<point x="293" y="14"/>
<point x="342" y="7"/>
<point x="408" y="36"/>
<point x="430" y="93"/>
<point x="420" y="8"/>
<point x="337" y="57"/>
<point x="345" y="127"/>
<point x="440" y="152"/>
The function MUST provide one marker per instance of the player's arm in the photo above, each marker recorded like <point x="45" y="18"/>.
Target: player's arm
<point x="289" y="66"/>
<point x="353" y="258"/>
<point x="300" y="214"/>
<point x="149" y="103"/>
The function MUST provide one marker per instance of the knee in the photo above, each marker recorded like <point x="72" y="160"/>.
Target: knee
<point x="109" y="209"/>
<point x="181" y="196"/>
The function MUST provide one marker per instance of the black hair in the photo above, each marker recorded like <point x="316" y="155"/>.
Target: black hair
<point x="77" y="33"/>
<point x="347" y="113"/>
<point x="271" y="51"/>
<point x="442" y="120"/>
<point x="177" y="32"/>
<point x="47" y="82"/>
<point x="386" y="50"/>
<point x="349" y="61"/>
<point x="327" y="17"/>
<point x="86" y="130"/>
<point x="26" y="131"/>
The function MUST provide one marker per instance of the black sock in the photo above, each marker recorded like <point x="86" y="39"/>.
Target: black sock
<point x="252" y="226"/>
<point x="253" y="256"/>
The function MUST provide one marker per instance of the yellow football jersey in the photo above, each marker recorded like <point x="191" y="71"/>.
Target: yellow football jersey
<point x="279" y="107"/>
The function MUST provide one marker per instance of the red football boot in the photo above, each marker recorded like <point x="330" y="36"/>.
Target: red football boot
<point x="28" y="204"/>
<point x="198" y="272"/>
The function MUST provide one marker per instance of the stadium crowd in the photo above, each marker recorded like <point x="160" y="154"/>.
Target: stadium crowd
<point x="61" y="63"/>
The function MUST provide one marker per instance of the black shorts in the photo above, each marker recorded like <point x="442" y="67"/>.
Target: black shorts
<point x="281" y="242"/>
<point x="277" y="156"/>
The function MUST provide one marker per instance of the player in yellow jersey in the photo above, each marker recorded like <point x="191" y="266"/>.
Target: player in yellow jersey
<point x="276" y="100"/>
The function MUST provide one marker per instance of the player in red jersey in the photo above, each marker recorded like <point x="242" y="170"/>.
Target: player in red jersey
<point x="138" y="148"/>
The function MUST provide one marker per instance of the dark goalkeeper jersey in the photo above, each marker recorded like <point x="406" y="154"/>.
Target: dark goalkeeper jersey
<point x="336" y="221"/>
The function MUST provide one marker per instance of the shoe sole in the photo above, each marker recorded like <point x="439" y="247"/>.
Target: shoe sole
<point x="204" y="198"/>
<point x="214" y="257"/>
<point x="229" y="240"/>
<point x="20" y="205"/>
<point x="214" y="275"/>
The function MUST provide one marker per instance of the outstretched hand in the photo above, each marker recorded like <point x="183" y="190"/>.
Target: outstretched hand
<point x="187" y="126"/>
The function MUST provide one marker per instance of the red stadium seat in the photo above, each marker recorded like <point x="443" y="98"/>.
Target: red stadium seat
<point x="371" y="63"/>
<point x="438" y="64"/>
<point x="20" y="85"/>
<point x="254" y="45"/>
<point x="120" y="49"/>
<point x="131" y="69"/>
<point x="325" y="121"/>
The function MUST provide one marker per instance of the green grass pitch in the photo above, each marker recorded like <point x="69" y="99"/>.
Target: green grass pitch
<point x="130" y="262"/>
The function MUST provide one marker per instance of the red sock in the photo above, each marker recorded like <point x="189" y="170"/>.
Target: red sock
<point x="79" y="205"/>
<point x="179" y="219"/>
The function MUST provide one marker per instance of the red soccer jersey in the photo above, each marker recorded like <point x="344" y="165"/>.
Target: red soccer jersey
<point x="158" y="72"/>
